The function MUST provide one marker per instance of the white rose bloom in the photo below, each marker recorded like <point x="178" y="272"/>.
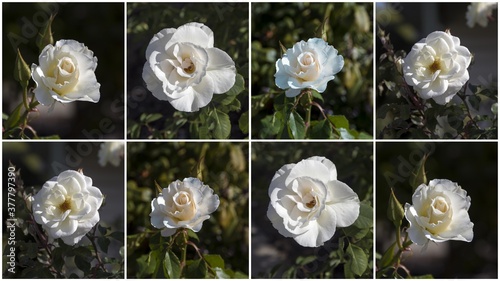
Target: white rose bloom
<point x="308" y="203"/>
<point x="307" y="65"/>
<point x="111" y="152"/>
<point x="67" y="206"/>
<point x="439" y="213"/>
<point x="436" y="67"/>
<point x="185" y="69"/>
<point x="479" y="12"/>
<point x="184" y="204"/>
<point x="66" y="74"/>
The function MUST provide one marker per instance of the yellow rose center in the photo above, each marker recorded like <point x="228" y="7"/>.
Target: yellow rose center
<point x="66" y="205"/>
<point x="311" y="203"/>
<point x="435" y="66"/>
<point x="188" y="66"/>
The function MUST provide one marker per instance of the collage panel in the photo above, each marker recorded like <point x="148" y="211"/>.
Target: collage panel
<point x="187" y="210"/>
<point x="63" y="73"/>
<point x="63" y="205"/>
<point x="437" y="71"/>
<point x="312" y="214"/>
<point x="312" y="70"/>
<point x="187" y="70"/>
<point x="440" y="199"/>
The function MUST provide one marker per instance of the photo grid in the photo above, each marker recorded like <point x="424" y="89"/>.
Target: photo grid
<point x="250" y="140"/>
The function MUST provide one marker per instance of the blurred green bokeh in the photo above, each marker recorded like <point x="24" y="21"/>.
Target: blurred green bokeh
<point x="354" y="163"/>
<point x="222" y="166"/>
<point x="348" y="27"/>
<point x="474" y="167"/>
<point x="230" y="25"/>
<point x="100" y="26"/>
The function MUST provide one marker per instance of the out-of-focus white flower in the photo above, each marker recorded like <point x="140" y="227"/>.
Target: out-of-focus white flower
<point x="66" y="73"/>
<point x="479" y="12"/>
<point x="439" y="213"/>
<point x="436" y="67"/>
<point x="184" y="204"/>
<point x="111" y="152"/>
<point x="307" y="65"/>
<point x="67" y="206"/>
<point x="308" y="203"/>
<point x="185" y="69"/>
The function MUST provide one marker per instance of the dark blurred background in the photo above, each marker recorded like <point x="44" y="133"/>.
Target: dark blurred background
<point x="354" y="163"/>
<point x="100" y="26"/>
<point x="473" y="165"/>
<point x="39" y="162"/>
<point x="348" y="28"/>
<point x="408" y="23"/>
<point x="228" y="21"/>
<point x="222" y="166"/>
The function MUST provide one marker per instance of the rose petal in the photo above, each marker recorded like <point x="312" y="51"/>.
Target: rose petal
<point x="221" y="70"/>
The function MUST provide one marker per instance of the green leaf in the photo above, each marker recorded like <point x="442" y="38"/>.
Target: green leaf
<point x="426" y="276"/>
<point x="418" y="175"/>
<point x="271" y="124"/>
<point x="103" y="243"/>
<point x="388" y="257"/>
<point x="395" y="211"/>
<point x="214" y="260"/>
<point x="358" y="261"/>
<point x="221" y="274"/>
<point x="243" y="122"/>
<point x="45" y="35"/>
<point x="317" y="95"/>
<point x="238" y="87"/>
<point x="355" y="232"/>
<point x="345" y="134"/>
<point x="22" y="72"/>
<point x="196" y="269"/>
<point x="118" y="235"/>
<point x="152" y="117"/>
<point x="296" y="126"/>
<point x="14" y="118"/>
<point x="222" y="124"/>
<point x="305" y="260"/>
<point x="340" y="121"/>
<point x="172" y="265"/>
<point x="365" y="218"/>
<point x="321" y="130"/>
<point x="83" y="263"/>
<point x="193" y="235"/>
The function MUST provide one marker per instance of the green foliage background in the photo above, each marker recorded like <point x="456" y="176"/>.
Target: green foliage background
<point x="228" y="21"/>
<point x="348" y="27"/>
<point x="222" y="166"/>
<point x="97" y="25"/>
<point x="474" y="167"/>
<point x="283" y="257"/>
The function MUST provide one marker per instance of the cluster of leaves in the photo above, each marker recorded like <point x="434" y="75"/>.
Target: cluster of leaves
<point x="352" y="255"/>
<point x="222" y="166"/>
<point x="210" y="122"/>
<point x="349" y="253"/>
<point x="347" y="27"/>
<point x="226" y="116"/>
<point x="401" y="113"/>
<point x="36" y="256"/>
